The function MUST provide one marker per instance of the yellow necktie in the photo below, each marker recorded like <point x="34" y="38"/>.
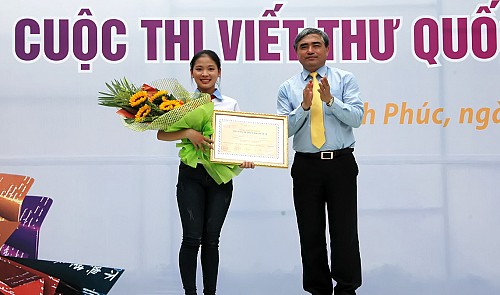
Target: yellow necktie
<point x="317" y="124"/>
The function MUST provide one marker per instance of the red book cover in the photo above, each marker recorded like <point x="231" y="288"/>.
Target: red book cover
<point x="17" y="280"/>
<point x="50" y="282"/>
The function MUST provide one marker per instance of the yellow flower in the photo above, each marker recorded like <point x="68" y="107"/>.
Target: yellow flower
<point x="142" y="113"/>
<point x="168" y="105"/>
<point x="138" y="98"/>
<point x="161" y="93"/>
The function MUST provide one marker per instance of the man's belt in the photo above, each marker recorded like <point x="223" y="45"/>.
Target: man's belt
<point x="327" y="155"/>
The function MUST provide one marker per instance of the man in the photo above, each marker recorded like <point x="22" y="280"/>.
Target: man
<point x="324" y="172"/>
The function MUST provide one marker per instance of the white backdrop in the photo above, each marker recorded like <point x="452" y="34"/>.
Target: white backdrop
<point x="427" y="192"/>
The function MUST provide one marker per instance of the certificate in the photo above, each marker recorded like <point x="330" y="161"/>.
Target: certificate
<point x="252" y="137"/>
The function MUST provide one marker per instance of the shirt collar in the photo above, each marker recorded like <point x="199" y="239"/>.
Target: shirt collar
<point x="216" y="93"/>
<point x="321" y="72"/>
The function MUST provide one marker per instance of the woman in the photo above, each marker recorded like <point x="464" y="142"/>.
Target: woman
<point x="203" y="204"/>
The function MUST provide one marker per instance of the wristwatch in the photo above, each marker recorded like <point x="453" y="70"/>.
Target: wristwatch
<point x="330" y="102"/>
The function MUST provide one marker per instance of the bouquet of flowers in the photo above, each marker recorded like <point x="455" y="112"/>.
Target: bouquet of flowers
<point x="166" y="105"/>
